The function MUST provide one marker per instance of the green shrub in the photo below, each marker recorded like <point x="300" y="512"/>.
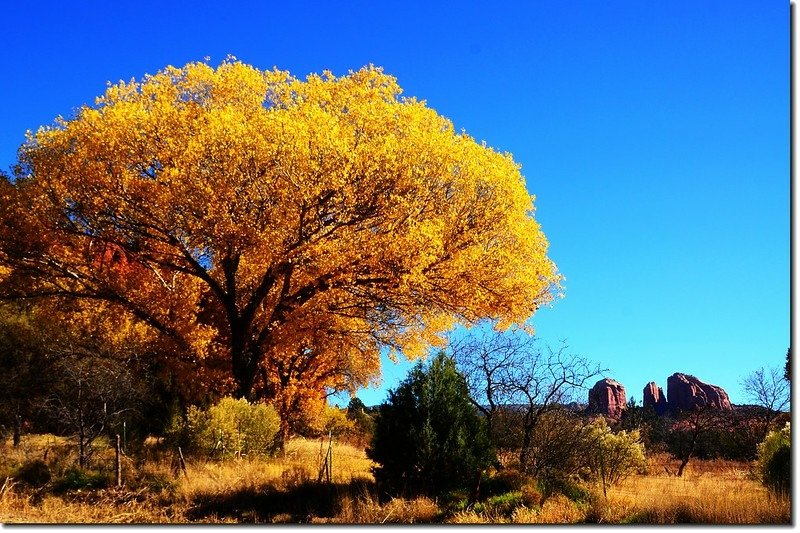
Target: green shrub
<point x="453" y="502"/>
<point x="571" y="489"/>
<point x="75" y="478"/>
<point x="504" y="504"/>
<point x="428" y="437"/>
<point x="774" y="460"/>
<point x="232" y="428"/>
<point x="613" y="456"/>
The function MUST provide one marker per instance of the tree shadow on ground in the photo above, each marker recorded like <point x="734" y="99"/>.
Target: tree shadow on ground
<point x="267" y="504"/>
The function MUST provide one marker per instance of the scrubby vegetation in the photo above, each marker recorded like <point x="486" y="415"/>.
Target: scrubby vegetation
<point x="613" y="456"/>
<point x="432" y="453"/>
<point x="774" y="460"/>
<point x="424" y="456"/>
<point x="231" y="428"/>
<point x="284" y="489"/>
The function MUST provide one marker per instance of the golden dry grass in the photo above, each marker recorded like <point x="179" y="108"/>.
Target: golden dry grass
<point x="557" y="509"/>
<point x="284" y="489"/>
<point x="709" y="492"/>
<point x="140" y="502"/>
<point x="367" y="510"/>
<point x="704" y="498"/>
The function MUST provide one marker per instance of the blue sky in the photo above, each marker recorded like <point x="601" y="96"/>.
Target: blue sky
<point x="655" y="136"/>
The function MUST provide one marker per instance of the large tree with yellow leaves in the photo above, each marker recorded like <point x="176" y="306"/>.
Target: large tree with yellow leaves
<point x="290" y="227"/>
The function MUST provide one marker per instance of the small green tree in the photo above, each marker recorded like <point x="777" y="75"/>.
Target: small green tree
<point x="774" y="461"/>
<point x="428" y="437"/>
<point x="233" y="428"/>
<point x="613" y="456"/>
<point x="787" y="369"/>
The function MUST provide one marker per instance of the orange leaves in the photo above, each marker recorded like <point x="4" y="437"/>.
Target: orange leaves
<point x="260" y="214"/>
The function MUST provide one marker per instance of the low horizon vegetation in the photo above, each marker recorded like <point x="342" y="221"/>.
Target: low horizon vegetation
<point x="223" y="464"/>
<point x="283" y="489"/>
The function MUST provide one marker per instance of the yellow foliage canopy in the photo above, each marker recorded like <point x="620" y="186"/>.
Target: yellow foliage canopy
<point x="292" y="227"/>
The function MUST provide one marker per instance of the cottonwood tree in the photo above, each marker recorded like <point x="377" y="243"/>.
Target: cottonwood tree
<point x="514" y="370"/>
<point x="289" y="228"/>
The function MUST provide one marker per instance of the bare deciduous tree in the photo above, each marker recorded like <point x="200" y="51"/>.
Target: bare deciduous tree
<point x="90" y="394"/>
<point x="768" y="389"/>
<point x="515" y="371"/>
<point x="484" y="362"/>
<point x="690" y="430"/>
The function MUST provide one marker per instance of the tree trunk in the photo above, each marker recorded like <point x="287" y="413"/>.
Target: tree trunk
<point x="683" y="464"/>
<point x="476" y="489"/>
<point x="244" y="366"/>
<point x="283" y="434"/>
<point x="81" y="442"/>
<point x="525" y="452"/>
<point x="17" y="429"/>
<point x="529" y="423"/>
<point x="239" y="368"/>
<point x="689" y="454"/>
<point x="489" y="416"/>
<point x="603" y="475"/>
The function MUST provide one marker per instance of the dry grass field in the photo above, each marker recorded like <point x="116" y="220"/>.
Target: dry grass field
<point x="709" y="492"/>
<point x="285" y="489"/>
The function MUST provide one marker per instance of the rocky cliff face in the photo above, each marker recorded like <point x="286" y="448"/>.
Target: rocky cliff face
<point x="686" y="392"/>
<point x="607" y="397"/>
<point x="654" y="395"/>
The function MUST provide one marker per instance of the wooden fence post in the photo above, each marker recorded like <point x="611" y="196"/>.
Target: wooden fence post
<point x="330" y="456"/>
<point x="118" y="462"/>
<point x="182" y="463"/>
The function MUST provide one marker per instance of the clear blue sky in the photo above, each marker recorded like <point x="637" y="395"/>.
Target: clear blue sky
<point x="655" y="136"/>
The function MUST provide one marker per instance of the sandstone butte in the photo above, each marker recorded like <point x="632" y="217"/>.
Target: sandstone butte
<point x="685" y="392"/>
<point x="607" y="397"/>
<point x="654" y="396"/>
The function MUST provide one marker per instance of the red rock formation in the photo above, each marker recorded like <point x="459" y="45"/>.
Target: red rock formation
<point x="654" y="395"/>
<point x="685" y="392"/>
<point x="607" y="397"/>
